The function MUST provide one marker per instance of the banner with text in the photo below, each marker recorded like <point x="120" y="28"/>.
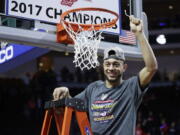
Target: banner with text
<point x="50" y="10"/>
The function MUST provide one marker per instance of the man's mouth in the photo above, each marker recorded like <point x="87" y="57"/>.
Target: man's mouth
<point x="112" y="74"/>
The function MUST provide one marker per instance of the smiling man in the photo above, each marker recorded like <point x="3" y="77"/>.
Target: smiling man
<point x="114" y="66"/>
<point x="112" y="104"/>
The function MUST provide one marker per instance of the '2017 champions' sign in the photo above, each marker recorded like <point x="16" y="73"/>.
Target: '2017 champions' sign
<point x="50" y="10"/>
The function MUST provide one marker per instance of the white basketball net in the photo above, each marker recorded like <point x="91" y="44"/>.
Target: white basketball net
<point x="86" y="44"/>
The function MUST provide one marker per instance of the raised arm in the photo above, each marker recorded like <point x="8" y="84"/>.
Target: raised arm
<point x="151" y="66"/>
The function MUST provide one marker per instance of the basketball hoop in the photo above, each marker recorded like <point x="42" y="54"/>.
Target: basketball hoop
<point x="85" y="37"/>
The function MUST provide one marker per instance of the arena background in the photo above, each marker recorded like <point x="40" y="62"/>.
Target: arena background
<point x="29" y="81"/>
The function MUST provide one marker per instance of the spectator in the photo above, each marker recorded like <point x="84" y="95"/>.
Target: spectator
<point x="139" y="130"/>
<point x="164" y="127"/>
<point x="172" y="129"/>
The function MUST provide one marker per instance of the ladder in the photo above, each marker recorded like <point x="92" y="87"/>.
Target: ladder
<point x="62" y="111"/>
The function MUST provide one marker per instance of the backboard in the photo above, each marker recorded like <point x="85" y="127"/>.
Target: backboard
<point x="46" y="13"/>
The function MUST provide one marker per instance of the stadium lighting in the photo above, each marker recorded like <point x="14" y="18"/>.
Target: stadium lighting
<point x="161" y="39"/>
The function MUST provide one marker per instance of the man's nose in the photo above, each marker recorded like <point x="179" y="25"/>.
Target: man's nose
<point x="111" y="67"/>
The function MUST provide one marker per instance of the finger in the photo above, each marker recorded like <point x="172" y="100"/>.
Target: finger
<point x="55" y="97"/>
<point x="131" y="17"/>
<point x="56" y="94"/>
<point x="139" y="28"/>
<point x="133" y="27"/>
<point x="62" y="95"/>
<point x="134" y="20"/>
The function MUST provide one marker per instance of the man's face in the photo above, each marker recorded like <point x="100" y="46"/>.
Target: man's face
<point x="113" y="69"/>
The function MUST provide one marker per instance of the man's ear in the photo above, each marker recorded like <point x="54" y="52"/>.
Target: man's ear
<point x="125" y="66"/>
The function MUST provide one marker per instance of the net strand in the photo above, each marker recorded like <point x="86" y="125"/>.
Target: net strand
<point x="3" y="44"/>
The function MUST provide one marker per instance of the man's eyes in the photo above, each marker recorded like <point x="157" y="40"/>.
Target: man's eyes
<point x="114" y="64"/>
<point x="107" y="64"/>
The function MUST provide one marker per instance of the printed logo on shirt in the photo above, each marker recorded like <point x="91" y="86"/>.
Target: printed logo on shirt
<point x="102" y="110"/>
<point x="104" y="96"/>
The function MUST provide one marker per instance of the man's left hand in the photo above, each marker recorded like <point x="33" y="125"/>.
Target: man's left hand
<point x="136" y="25"/>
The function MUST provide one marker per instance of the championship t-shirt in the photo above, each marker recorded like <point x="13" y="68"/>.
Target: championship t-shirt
<point x="112" y="111"/>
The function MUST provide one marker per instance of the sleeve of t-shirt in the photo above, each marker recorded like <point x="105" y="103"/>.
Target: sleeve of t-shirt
<point x="85" y="94"/>
<point x="81" y="95"/>
<point x="137" y="91"/>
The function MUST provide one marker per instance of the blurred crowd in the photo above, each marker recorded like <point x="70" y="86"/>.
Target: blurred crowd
<point x="22" y="101"/>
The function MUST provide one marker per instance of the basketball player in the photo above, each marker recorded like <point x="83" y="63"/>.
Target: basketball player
<point x="112" y="104"/>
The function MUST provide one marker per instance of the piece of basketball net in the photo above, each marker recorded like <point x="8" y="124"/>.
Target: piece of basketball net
<point x="85" y="37"/>
<point x="3" y="44"/>
<point x="86" y="44"/>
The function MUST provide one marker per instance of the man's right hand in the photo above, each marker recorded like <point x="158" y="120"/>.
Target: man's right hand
<point x="60" y="93"/>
